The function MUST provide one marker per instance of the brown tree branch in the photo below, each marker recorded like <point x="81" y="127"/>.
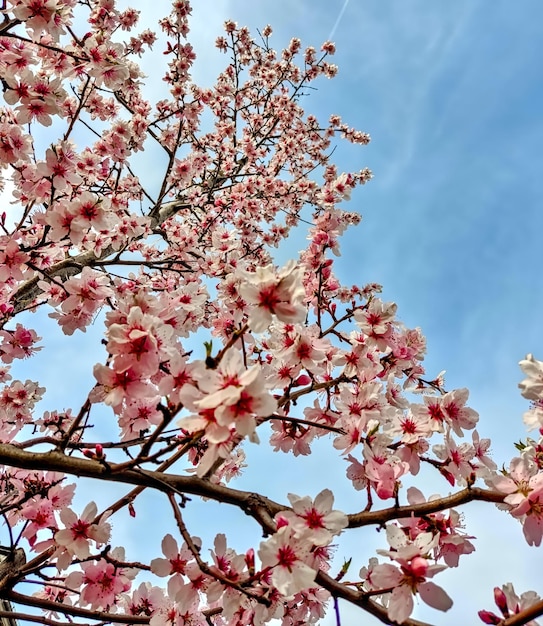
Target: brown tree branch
<point x="67" y="609"/>
<point x="360" y="599"/>
<point x="536" y="610"/>
<point x="14" y="456"/>
<point x="26" y="617"/>
<point x="367" y="518"/>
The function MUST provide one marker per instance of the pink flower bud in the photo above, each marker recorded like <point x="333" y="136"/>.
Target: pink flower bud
<point x="303" y="379"/>
<point x="501" y="601"/>
<point x="99" y="451"/>
<point x="450" y="477"/>
<point x="489" y="618"/>
<point x="281" y="521"/>
<point x="419" y="566"/>
<point x="131" y="510"/>
<point x="250" y="561"/>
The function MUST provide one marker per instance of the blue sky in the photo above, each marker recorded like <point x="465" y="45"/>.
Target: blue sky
<point x="451" y="93"/>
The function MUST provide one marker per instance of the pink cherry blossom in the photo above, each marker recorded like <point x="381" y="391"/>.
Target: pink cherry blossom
<point x="271" y="293"/>
<point x="102" y="581"/>
<point x="286" y="556"/>
<point x="74" y="539"/>
<point x="236" y="394"/>
<point x="315" y="520"/>
<point x="205" y="343"/>
<point x="411" y="575"/>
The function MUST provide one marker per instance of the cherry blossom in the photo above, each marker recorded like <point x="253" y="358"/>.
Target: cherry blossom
<point x="410" y="577"/>
<point x="206" y="343"/>
<point x="102" y="582"/>
<point x="285" y="556"/>
<point x="74" y="539"/>
<point x="315" y="519"/>
<point x="280" y="294"/>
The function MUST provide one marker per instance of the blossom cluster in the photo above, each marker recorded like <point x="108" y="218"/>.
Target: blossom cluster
<point x="210" y="345"/>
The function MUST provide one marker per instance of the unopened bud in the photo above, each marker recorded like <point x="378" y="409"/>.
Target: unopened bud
<point x="280" y="521"/>
<point x="489" y="618"/>
<point x="419" y="566"/>
<point x="450" y="477"/>
<point x="250" y="561"/>
<point x="303" y="379"/>
<point x="501" y="601"/>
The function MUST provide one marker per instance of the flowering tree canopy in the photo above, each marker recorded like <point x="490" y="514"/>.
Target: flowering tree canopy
<point x="209" y="345"/>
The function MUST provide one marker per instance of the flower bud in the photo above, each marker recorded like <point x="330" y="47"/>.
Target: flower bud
<point x="501" y="601"/>
<point x="489" y="618"/>
<point x="250" y="561"/>
<point x="280" y="521"/>
<point x="303" y="379"/>
<point x="419" y="566"/>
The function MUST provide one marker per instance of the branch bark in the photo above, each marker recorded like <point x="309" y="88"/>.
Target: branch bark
<point x="258" y="506"/>
<point x="536" y="610"/>
<point x="367" y="518"/>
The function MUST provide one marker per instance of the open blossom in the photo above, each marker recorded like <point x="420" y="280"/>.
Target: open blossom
<point x="375" y="320"/>
<point x="273" y="293"/>
<point x="137" y="343"/>
<point x="18" y="343"/>
<point x="176" y="560"/>
<point x="39" y="514"/>
<point x="177" y="564"/>
<point x="532" y="387"/>
<point x="452" y="541"/>
<point x="383" y="469"/>
<point x="407" y="580"/>
<point x="102" y="581"/>
<point x="410" y="576"/>
<point x="458" y="458"/>
<point x="524" y="486"/>
<point x="236" y="394"/>
<point x="115" y="387"/>
<point x="79" y="531"/>
<point x="12" y="260"/>
<point x="314" y="519"/>
<point x="449" y="410"/>
<point x="286" y="556"/>
<point x="530" y="510"/>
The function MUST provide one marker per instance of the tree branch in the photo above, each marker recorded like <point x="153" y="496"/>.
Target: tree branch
<point x="536" y="610"/>
<point x="366" y="518"/>
<point x="57" y="461"/>
<point x="247" y="501"/>
<point x="67" y="609"/>
<point x="360" y="599"/>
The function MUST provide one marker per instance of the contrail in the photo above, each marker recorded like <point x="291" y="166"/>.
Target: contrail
<point x="338" y="20"/>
